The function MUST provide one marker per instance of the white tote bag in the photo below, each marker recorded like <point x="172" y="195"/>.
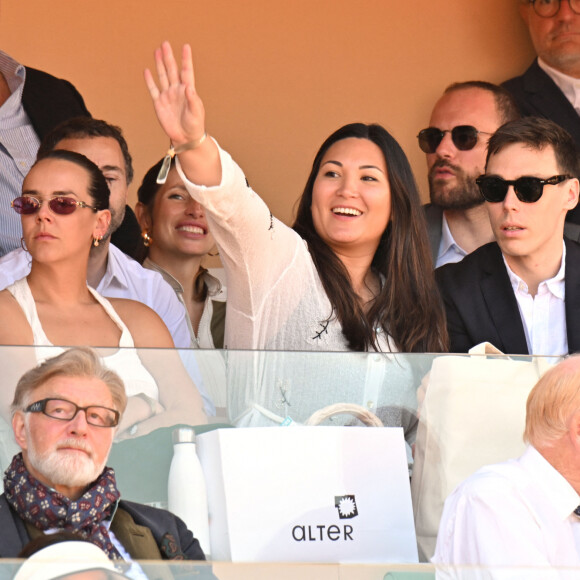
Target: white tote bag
<point x="473" y="415"/>
<point x="308" y="494"/>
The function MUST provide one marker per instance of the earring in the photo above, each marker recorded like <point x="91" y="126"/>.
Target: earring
<point x="216" y="253"/>
<point x="23" y="244"/>
<point x="147" y="239"/>
<point x="96" y="241"/>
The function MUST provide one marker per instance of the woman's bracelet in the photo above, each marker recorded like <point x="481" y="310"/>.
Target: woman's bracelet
<point x="172" y="152"/>
<point x="188" y="146"/>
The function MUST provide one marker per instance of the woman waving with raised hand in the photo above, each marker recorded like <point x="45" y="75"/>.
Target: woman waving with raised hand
<point x="354" y="273"/>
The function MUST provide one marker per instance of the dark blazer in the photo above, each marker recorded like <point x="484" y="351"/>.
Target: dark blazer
<point x="48" y="101"/>
<point x="538" y="95"/>
<point x="481" y="306"/>
<point x="137" y="526"/>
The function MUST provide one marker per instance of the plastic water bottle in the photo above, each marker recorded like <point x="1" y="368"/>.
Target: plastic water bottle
<point x="187" y="496"/>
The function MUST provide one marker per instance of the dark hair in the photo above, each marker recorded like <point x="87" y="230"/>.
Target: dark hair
<point x="85" y="128"/>
<point x="537" y="133"/>
<point x="506" y="105"/>
<point x="146" y="195"/>
<point x="408" y="306"/>
<point x="98" y="186"/>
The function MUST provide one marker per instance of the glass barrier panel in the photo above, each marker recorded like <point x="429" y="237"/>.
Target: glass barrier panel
<point x="457" y="412"/>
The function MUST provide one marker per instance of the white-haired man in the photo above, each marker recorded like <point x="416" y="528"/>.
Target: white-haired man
<point x="524" y="512"/>
<point x="64" y="416"/>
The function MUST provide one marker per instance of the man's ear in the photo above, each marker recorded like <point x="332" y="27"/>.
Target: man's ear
<point x="574" y="431"/>
<point x="525" y="8"/>
<point x="19" y="428"/>
<point x="572" y="194"/>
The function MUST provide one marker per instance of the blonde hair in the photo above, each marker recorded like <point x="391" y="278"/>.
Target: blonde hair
<point x="552" y="402"/>
<point x="79" y="361"/>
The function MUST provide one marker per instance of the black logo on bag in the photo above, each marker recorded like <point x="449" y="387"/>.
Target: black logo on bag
<point x="346" y="506"/>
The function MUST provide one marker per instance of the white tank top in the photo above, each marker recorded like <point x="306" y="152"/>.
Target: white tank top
<point x="125" y="362"/>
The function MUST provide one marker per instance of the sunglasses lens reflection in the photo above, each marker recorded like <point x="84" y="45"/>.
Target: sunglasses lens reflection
<point x="493" y="189"/>
<point x="529" y="189"/>
<point x="464" y="137"/>
<point x="62" y="205"/>
<point x="25" y="205"/>
<point x="429" y="139"/>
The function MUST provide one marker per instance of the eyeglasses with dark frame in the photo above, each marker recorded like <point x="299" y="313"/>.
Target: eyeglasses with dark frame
<point x="549" y="8"/>
<point x="528" y="189"/>
<point x="64" y="410"/>
<point x="60" y="205"/>
<point x="464" y="137"/>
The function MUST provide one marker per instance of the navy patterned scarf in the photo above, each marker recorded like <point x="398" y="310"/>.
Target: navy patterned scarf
<point x="46" y="508"/>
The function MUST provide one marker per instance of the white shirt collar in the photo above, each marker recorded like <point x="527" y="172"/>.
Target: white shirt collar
<point x="563" y="496"/>
<point x="569" y="86"/>
<point x="555" y="285"/>
<point x="449" y="249"/>
<point x="115" y="270"/>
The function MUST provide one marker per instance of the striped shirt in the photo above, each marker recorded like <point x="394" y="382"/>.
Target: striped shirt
<point x="18" y="147"/>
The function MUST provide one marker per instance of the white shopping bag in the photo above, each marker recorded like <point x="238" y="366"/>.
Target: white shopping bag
<point x="308" y="494"/>
<point x="473" y="415"/>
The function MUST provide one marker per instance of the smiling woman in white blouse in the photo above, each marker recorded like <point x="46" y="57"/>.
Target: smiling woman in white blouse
<point x="355" y="272"/>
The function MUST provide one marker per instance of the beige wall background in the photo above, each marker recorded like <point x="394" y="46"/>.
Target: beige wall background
<point x="276" y="77"/>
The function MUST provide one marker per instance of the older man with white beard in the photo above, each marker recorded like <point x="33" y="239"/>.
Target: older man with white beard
<point x="64" y="416"/>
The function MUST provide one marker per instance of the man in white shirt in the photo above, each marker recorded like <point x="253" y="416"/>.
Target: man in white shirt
<point x="110" y="272"/>
<point x="522" y="292"/>
<point x="455" y="144"/>
<point x="522" y="513"/>
<point x="550" y="87"/>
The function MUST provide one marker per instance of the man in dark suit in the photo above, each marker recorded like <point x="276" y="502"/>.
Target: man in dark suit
<point x="550" y="87"/>
<point x="64" y="416"/>
<point x="32" y="103"/>
<point x="522" y="292"/>
<point x="455" y="144"/>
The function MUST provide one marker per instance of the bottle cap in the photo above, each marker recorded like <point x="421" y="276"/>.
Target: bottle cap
<point x="183" y="435"/>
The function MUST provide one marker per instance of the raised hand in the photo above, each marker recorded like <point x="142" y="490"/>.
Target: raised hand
<point x="177" y="105"/>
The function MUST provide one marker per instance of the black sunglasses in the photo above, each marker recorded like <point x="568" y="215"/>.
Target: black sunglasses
<point x="528" y="189"/>
<point x="28" y="205"/>
<point x="464" y="137"/>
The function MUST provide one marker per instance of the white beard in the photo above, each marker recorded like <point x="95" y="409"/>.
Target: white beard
<point x="65" y="467"/>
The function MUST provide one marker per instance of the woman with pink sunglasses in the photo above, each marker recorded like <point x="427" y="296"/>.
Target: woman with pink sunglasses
<point x="64" y="211"/>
